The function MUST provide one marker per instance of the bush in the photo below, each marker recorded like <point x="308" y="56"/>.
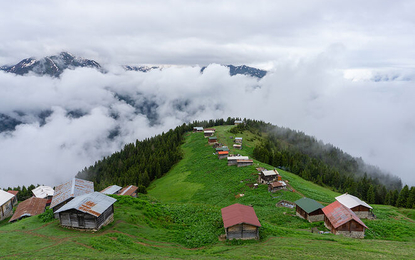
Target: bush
<point x="46" y="216"/>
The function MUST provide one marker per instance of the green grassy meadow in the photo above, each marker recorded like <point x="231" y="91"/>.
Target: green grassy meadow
<point x="180" y="218"/>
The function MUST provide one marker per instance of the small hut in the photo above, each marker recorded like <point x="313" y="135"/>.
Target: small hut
<point x="237" y="146"/>
<point x="309" y="209"/>
<point x="113" y="189"/>
<point x="244" y="162"/>
<point x="44" y="192"/>
<point x="222" y="149"/>
<point x="223" y="155"/>
<point x="67" y="191"/>
<point x="88" y="212"/>
<point x="208" y="132"/>
<point x="276" y="186"/>
<point x="197" y="129"/>
<point x="212" y="140"/>
<point x="238" y="122"/>
<point x="232" y="160"/>
<point x="240" y="222"/>
<point x="359" y="207"/>
<point x="28" y="208"/>
<point x="267" y="177"/>
<point x="129" y="191"/>
<point x="238" y="140"/>
<point x="6" y="204"/>
<point x="343" y="221"/>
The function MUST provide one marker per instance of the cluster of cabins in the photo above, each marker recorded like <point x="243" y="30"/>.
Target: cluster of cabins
<point x="74" y="203"/>
<point x="340" y="217"/>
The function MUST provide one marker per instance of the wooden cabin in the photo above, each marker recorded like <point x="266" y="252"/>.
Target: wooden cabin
<point x="222" y="149"/>
<point x="237" y="146"/>
<point x="276" y="186"/>
<point x="14" y="192"/>
<point x="240" y="222"/>
<point x="208" y="132"/>
<point x="212" y="140"/>
<point x="238" y="140"/>
<point x="232" y="160"/>
<point x="28" y="208"/>
<point x="267" y="177"/>
<point x="87" y="212"/>
<point x="197" y="129"/>
<point x="113" y="189"/>
<point x="67" y="191"/>
<point x="343" y="221"/>
<point x="44" y="192"/>
<point x="223" y="155"/>
<point x="309" y="209"/>
<point x="238" y="122"/>
<point x="129" y="191"/>
<point x="244" y="162"/>
<point x="6" y="204"/>
<point x="359" y="207"/>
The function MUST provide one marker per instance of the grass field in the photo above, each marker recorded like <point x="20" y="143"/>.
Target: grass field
<point x="180" y="218"/>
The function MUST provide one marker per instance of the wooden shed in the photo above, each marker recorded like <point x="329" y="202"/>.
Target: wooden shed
<point x="238" y="122"/>
<point x="197" y="129"/>
<point x="212" y="140"/>
<point x="208" y="132"/>
<point x="309" y="209"/>
<point x="113" y="189"/>
<point x="28" y="208"/>
<point x="343" y="221"/>
<point x="359" y="207"/>
<point x="276" y="186"/>
<point x="221" y="149"/>
<point x="6" y="204"/>
<point x="237" y="146"/>
<point x="244" y="162"/>
<point x="129" y="191"/>
<point x="267" y="177"/>
<point x="240" y="222"/>
<point x="232" y="160"/>
<point x="67" y="191"/>
<point x="238" y="140"/>
<point x="88" y="212"/>
<point x="223" y="155"/>
<point x="44" y="192"/>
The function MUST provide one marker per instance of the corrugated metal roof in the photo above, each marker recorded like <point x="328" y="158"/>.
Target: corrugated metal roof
<point x="198" y="128"/>
<point x="351" y="201"/>
<point x="5" y="197"/>
<point x="244" y="160"/>
<point x="270" y="173"/>
<point x="43" y="191"/>
<point x="238" y="138"/>
<point x="73" y="188"/>
<point x="93" y="203"/>
<point x="238" y="158"/>
<point x="30" y="207"/>
<point x="338" y="214"/>
<point x="279" y="184"/>
<point x="308" y="205"/>
<point x="14" y="192"/>
<point x="129" y="190"/>
<point x="113" y="189"/>
<point x="237" y="214"/>
<point x="223" y="148"/>
<point x="223" y="152"/>
<point x="210" y="129"/>
<point x="213" y="138"/>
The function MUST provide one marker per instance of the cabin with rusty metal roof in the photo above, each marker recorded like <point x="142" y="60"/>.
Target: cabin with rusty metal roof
<point x="309" y="209"/>
<point x="113" y="189"/>
<point x="88" y="212"/>
<point x="243" y="162"/>
<point x="232" y="160"/>
<point x="31" y="207"/>
<point x="240" y="222"/>
<point x="359" y="207"/>
<point x="129" y="191"/>
<point x="343" y="221"/>
<point x="69" y="190"/>
<point x="6" y="204"/>
<point x="276" y="186"/>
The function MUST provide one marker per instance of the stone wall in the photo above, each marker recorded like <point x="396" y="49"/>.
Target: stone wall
<point x="353" y="234"/>
<point x="363" y="214"/>
<point x="316" y="218"/>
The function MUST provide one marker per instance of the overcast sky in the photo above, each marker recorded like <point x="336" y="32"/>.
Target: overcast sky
<point x="322" y="57"/>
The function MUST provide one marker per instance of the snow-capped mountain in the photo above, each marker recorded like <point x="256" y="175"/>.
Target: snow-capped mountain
<point x="51" y="65"/>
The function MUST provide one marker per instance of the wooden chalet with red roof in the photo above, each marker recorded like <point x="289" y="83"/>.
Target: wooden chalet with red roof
<point x="240" y="222"/>
<point x="343" y="221"/>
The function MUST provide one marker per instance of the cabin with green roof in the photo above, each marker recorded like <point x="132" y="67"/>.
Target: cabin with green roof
<point x="309" y="209"/>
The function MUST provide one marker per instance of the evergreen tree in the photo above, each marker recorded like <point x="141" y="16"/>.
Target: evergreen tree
<point x="403" y="197"/>
<point x="371" y="195"/>
<point x="410" y="203"/>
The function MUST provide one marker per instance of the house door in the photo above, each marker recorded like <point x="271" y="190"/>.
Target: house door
<point x="81" y="220"/>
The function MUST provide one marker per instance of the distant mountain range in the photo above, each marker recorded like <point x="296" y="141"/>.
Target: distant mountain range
<point x="55" y="65"/>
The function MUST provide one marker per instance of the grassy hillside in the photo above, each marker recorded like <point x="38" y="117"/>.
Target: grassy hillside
<point x="180" y="218"/>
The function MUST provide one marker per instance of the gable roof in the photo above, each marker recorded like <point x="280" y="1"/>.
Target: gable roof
<point x="351" y="201"/>
<point x="30" y="207"/>
<point x="43" y="191"/>
<point x="14" y="192"/>
<point x="279" y="184"/>
<point x="128" y="191"/>
<point x="237" y="213"/>
<point x="238" y="158"/>
<point x="223" y="152"/>
<point x="113" y="189"/>
<point x="5" y="197"/>
<point x="269" y="173"/>
<point x="213" y="138"/>
<point x="73" y="188"/>
<point x="308" y="205"/>
<point x="92" y="203"/>
<point x="338" y="214"/>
